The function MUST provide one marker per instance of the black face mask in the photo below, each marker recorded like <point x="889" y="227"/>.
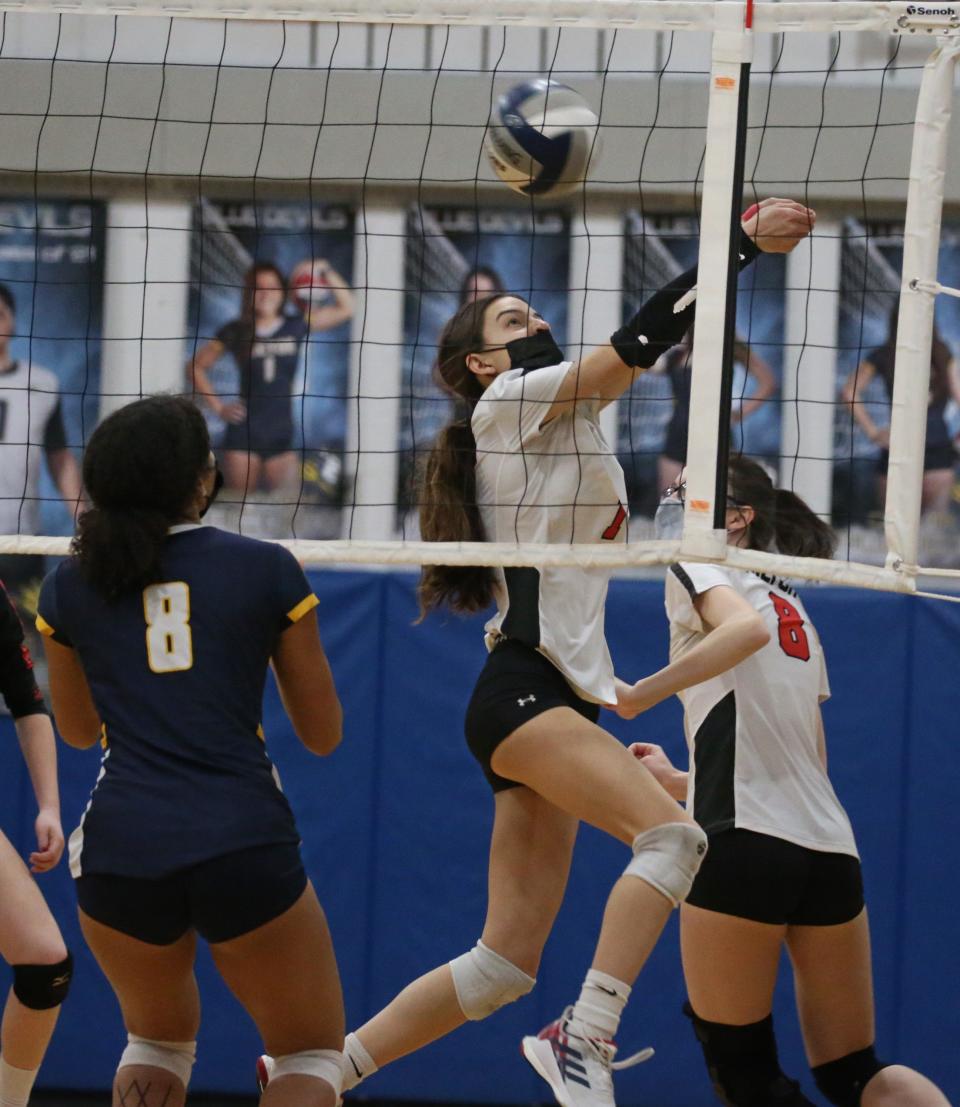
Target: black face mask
<point x="217" y="485"/>
<point x="536" y="351"/>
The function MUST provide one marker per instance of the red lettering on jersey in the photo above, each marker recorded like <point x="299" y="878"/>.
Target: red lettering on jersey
<point x="793" y="638"/>
<point x="614" y="529"/>
<point x="27" y="659"/>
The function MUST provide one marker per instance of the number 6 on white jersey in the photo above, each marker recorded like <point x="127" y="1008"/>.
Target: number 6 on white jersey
<point x="166" y="608"/>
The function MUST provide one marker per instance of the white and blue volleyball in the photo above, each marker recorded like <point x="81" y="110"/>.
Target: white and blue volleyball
<point x="541" y="138"/>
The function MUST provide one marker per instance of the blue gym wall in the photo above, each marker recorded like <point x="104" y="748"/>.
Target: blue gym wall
<point x="396" y="823"/>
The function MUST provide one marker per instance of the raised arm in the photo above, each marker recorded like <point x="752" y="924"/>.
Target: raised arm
<point x="327" y="316"/>
<point x="306" y="686"/>
<point x="736" y="632"/>
<point x="773" y="226"/>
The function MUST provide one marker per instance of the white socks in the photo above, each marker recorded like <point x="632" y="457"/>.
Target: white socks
<point x="601" y="1003"/>
<point x="15" y="1085"/>
<point x="357" y="1063"/>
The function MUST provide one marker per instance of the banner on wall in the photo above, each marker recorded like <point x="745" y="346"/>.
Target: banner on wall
<point x="872" y="259"/>
<point x="653" y="416"/>
<point x="455" y="255"/>
<point x="51" y="309"/>
<point x="271" y="303"/>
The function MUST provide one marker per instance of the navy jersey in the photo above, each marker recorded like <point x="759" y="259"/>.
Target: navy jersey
<point x="18" y="684"/>
<point x="268" y="365"/>
<point x="177" y="674"/>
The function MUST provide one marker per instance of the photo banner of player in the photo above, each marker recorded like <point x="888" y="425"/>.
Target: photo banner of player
<point x="51" y="311"/>
<point x="271" y="304"/>
<point x="870" y="287"/>
<point x="455" y="255"/>
<point x="653" y="415"/>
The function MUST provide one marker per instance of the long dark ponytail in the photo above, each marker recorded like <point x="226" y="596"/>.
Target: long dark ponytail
<point x="448" y="483"/>
<point x="781" y="520"/>
<point x="140" y="469"/>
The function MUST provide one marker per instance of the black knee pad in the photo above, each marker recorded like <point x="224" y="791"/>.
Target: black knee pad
<point x="842" y="1081"/>
<point x="41" y="987"/>
<point x="743" y="1064"/>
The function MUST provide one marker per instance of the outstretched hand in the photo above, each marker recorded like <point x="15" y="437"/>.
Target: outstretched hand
<point x="777" y="225"/>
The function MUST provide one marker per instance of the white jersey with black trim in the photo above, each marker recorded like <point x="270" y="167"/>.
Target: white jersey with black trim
<point x="752" y="732"/>
<point x="549" y="482"/>
<point x="29" y="396"/>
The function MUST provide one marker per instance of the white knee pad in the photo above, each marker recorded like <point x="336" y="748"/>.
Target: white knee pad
<point x="668" y="857"/>
<point x="325" y="1064"/>
<point x="485" y="981"/>
<point x="175" y="1057"/>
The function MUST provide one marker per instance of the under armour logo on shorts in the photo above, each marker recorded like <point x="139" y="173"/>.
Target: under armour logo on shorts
<point x="526" y="699"/>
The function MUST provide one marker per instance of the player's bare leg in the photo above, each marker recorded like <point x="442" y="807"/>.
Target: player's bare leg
<point x="241" y="471"/>
<point x="584" y="771"/>
<point x="530" y="853"/>
<point x="158" y="997"/>
<point x="28" y="936"/>
<point x="285" y="975"/>
<point x="280" y="472"/>
<point x="834" y="984"/>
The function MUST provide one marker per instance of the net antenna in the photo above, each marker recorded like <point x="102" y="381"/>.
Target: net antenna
<point x="442" y="139"/>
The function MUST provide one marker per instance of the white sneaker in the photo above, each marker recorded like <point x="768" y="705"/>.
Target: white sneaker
<point x="577" y="1068"/>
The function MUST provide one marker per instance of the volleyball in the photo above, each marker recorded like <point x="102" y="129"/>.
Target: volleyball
<point x="309" y="285"/>
<point x="541" y="138"/>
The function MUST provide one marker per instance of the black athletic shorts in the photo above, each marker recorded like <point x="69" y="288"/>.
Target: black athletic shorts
<point x="515" y="685"/>
<point x="265" y="439"/>
<point x="221" y="898"/>
<point x="759" y="877"/>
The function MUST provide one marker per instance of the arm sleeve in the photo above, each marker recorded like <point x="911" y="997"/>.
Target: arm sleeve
<point x="518" y="401"/>
<point x="296" y="597"/>
<point x="49" y="620"/>
<point x="17" y="680"/>
<point x="657" y="327"/>
<point x="54" y="434"/>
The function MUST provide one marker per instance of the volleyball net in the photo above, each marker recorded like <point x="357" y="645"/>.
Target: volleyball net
<point x="154" y="158"/>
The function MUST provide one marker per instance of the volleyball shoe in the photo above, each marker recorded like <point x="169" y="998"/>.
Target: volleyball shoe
<point x="578" y="1068"/>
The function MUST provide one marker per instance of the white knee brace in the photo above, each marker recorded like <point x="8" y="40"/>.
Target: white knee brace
<point x="485" y="981"/>
<point x="175" y="1057"/>
<point x="325" y="1064"/>
<point x="668" y="857"/>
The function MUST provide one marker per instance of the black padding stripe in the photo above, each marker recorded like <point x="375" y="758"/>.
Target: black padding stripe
<point x="681" y="574"/>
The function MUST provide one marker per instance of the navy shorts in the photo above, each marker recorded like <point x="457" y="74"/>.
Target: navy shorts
<point x="221" y="899"/>
<point x="266" y="439"/>
<point x="766" y="879"/>
<point x="515" y="685"/>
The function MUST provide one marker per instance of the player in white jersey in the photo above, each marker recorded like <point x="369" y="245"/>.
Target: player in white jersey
<point x="525" y="460"/>
<point x="31" y="428"/>
<point x="782" y="868"/>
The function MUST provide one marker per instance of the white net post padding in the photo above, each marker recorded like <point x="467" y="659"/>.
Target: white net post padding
<point x="732" y="46"/>
<point x="921" y="247"/>
<point x="809" y="383"/>
<point x="376" y="369"/>
<point x="145" y="299"/>
<point x="596" y="246"/>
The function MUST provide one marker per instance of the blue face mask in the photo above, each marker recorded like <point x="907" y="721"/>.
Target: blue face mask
<point x="668" y="521"/>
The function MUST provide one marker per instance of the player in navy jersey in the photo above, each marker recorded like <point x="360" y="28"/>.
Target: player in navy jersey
<point x="782" y="868"/>
<point x="266" y="344"/>
<point x="30" y="940"/>
<point x="159" y="633"/>
<point x="525" y="460"/>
